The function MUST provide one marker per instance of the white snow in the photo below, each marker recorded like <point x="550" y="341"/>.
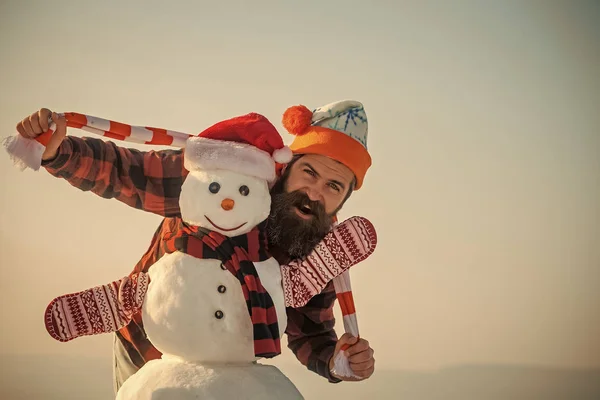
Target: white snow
<point x="175" y="380"/>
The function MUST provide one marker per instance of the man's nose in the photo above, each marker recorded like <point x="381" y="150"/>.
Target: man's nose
<point x="314" y="194"/>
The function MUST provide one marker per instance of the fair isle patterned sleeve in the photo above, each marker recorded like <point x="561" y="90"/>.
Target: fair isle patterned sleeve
<point x="311" y="334"/>
<point x="346" y="245"/>
<point x="101" y="309"/>
<point x="146" y="180"/>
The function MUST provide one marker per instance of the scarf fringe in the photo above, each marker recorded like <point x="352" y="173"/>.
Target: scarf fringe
<point x="24" y="153"/>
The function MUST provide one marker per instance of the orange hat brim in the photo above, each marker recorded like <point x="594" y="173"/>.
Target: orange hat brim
<point x="335" y="145"/>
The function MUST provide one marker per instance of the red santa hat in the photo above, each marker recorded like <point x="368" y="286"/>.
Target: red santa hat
<point x="248" y="144"/>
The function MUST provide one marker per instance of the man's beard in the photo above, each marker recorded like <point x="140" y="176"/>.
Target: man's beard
<point x="288" y="231"/>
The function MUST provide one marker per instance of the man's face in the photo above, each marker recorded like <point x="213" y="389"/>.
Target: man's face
<point x="322" y="179"/>
<point x="304" y="201"/>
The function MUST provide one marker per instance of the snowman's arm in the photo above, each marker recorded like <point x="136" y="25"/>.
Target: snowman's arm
<point x="101" y="309"/>
<point x="346" y="245"/>
<point x="311" y="334"/>
<point x="146" y="180"/>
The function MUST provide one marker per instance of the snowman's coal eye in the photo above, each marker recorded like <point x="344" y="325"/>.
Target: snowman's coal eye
<point x="244" y="190"/>
<point x="214" y="187"/>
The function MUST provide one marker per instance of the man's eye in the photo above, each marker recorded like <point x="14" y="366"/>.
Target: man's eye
<point x="310" y="172"/>
<point x="334" y="187"/>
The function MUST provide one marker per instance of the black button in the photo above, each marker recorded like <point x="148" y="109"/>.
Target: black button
<point x="221" y="289"/>
<point x="219" y="314"/>
<point x="223" y="267"/>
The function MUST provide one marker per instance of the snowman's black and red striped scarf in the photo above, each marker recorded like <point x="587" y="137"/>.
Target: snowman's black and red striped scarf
<point x="237" y="254"/>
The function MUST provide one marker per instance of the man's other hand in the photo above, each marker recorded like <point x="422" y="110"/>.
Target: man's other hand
<point x="360" y="356"/>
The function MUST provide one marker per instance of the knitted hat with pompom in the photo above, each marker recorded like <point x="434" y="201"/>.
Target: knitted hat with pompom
<point x="337" y="130"/>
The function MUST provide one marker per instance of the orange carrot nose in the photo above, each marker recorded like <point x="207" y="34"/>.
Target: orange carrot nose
<point x="227" y="204"/>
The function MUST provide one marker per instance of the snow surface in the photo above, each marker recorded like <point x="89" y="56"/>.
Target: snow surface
<point x="170" y="379"/>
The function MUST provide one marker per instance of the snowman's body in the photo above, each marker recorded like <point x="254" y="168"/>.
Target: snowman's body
<point x="195" y="313"/>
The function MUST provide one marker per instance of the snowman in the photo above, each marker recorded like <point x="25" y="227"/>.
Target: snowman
<point x="215" y="303"/>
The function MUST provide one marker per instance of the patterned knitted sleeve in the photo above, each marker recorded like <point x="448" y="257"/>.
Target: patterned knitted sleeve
<point x="146" y="180"/>
<point x="311" y="334"/>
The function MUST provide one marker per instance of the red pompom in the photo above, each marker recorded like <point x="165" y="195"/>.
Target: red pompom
<point x="297" y="119"/>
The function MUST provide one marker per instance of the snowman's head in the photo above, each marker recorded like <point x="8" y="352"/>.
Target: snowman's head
<point x="224" y="201"/>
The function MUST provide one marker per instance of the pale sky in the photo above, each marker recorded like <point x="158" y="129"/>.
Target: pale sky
<point x="484" y="129"/>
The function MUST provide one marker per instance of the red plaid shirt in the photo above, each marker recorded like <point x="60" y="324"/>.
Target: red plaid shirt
<point x="151" y="181"/>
